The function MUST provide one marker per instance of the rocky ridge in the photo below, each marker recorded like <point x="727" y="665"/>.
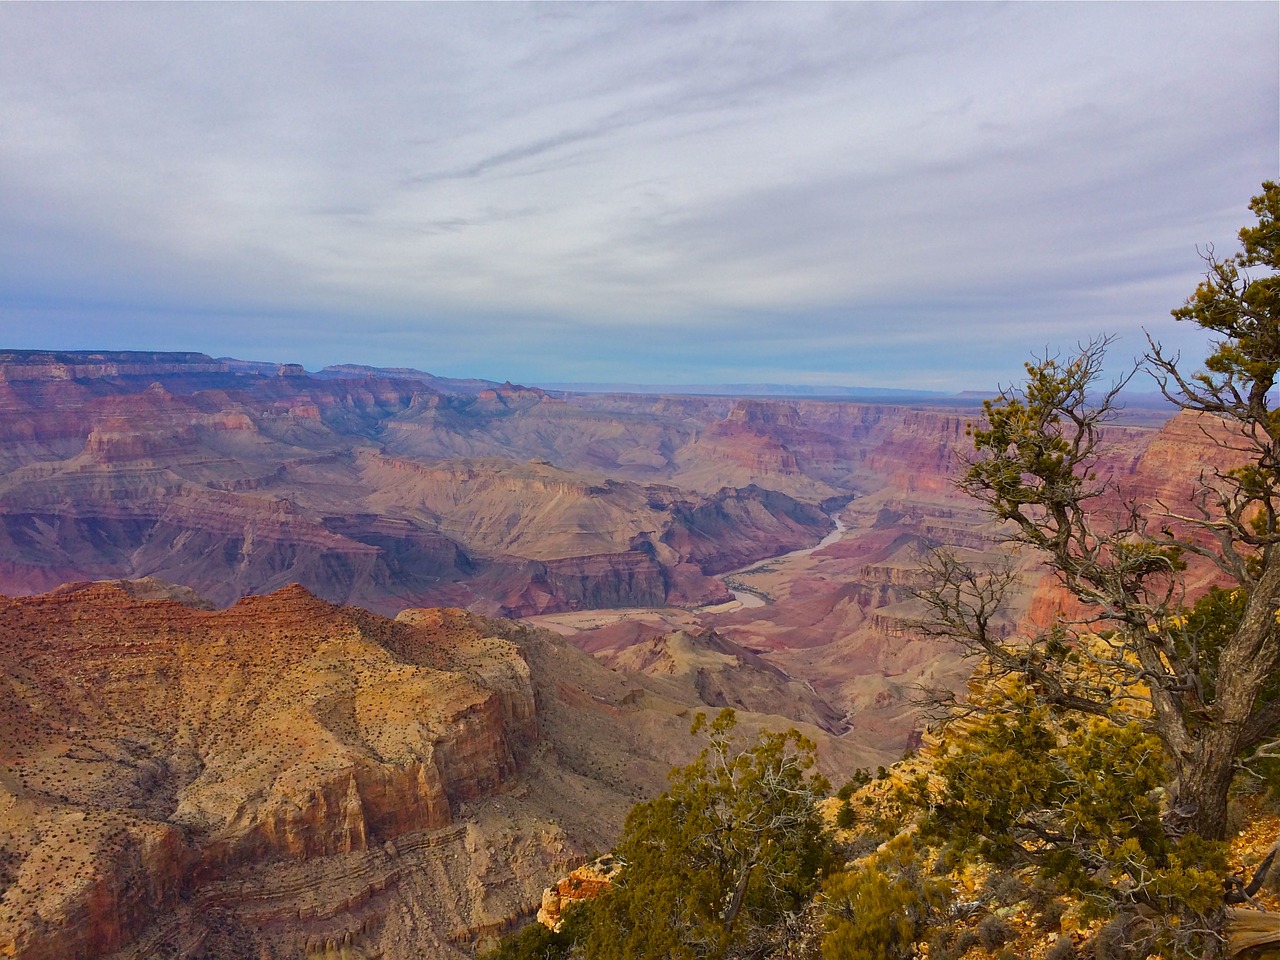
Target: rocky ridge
<point x="367" y="489"/>
<point x="288" y="776"/>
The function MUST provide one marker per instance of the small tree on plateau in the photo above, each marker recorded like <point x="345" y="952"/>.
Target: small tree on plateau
<point x="717" y="865"/>
<point x="1199" y="678"/>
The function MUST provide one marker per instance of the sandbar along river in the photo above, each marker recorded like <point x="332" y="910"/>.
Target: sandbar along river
<point x="751" y="598"/>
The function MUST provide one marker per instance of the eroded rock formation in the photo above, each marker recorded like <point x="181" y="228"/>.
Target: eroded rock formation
<point x="237" y="478"/>
<point x="583" y="883"/>
<point x="286" y="775"/>
<point x="151" y="748"/>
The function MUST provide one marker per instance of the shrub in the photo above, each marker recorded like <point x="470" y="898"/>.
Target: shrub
<point x="846" y="816"/>
<point x="878" y="910"/>
<point x="993" y="932"/>
<point x="717" y="863"/>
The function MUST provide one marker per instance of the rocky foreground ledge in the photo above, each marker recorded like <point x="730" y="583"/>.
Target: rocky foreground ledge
<point x="152" y="751"/>
<point x="287" y="776"/>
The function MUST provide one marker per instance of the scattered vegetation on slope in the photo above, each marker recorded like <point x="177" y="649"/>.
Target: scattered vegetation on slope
<point x="722" y="864"/>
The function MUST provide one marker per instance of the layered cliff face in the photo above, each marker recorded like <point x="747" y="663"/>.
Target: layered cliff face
<point x="237" y="480"/>
<point x="149" y="748"/>
<point x="287" y="777"/>
<point x="56" y="365"/>
<point x="234" y="479"/>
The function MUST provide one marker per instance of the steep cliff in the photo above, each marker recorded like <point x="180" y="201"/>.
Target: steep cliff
<point x="161" y="747"/>
<point x="234" y="480"/>
<point x="76" y="365"/>
<point x="286" y="776"/>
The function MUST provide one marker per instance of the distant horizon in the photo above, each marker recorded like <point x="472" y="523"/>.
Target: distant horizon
<point x="725" y="389"/>
<point x="1147" y="399"/>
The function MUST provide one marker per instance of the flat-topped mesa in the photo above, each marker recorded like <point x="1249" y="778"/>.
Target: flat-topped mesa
<point x="357" y="371"/>
<point x="765" y="413"/>
<point x="92" y="364"/>
<point x="510" y="394"/>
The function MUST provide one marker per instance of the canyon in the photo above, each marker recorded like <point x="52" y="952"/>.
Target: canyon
<point x="287" y="776"/>
<point x="266" y="694"/>
<point x="373" y="490"/>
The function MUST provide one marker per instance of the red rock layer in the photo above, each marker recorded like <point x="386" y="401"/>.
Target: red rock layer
<point x="238" y="483"/>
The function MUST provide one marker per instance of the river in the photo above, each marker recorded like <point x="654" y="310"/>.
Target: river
<point x="753" y="598"/>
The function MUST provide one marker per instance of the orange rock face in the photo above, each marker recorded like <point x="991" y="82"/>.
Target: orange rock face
<point x="148" y="749"/>
<point x="584" y="883"/>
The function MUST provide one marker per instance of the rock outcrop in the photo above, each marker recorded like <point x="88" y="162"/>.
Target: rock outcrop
<point x="151" y="748"/>
<point x="583" y="883"/>
<point x="287" y="776"/>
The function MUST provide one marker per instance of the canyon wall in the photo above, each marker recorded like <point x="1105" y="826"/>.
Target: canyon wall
<point x="161" y="747"/>
<point x="286" y="775"/>
<point x="367" y="489"/>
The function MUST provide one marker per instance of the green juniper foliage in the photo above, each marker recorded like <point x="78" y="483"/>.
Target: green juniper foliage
<point x="718" y="866"/>
<point x="536" y="942"/>
<point x="1081" y="806"/>
<point x="719" y="860"/>
<point x="1106" y="758"/>
<point x="878" y="910"/>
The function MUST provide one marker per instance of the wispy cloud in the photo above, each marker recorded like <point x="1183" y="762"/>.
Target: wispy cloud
<point x="650" y="192"/>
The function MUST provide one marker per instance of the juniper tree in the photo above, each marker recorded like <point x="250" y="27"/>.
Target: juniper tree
<point x="1146" y="663"/>
<point x="717" y="865"/>
<point x="720" y="866"/>
<point x="1196" y="675"/>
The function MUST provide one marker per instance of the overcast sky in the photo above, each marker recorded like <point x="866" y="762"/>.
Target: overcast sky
<point x="874" y="194"/>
